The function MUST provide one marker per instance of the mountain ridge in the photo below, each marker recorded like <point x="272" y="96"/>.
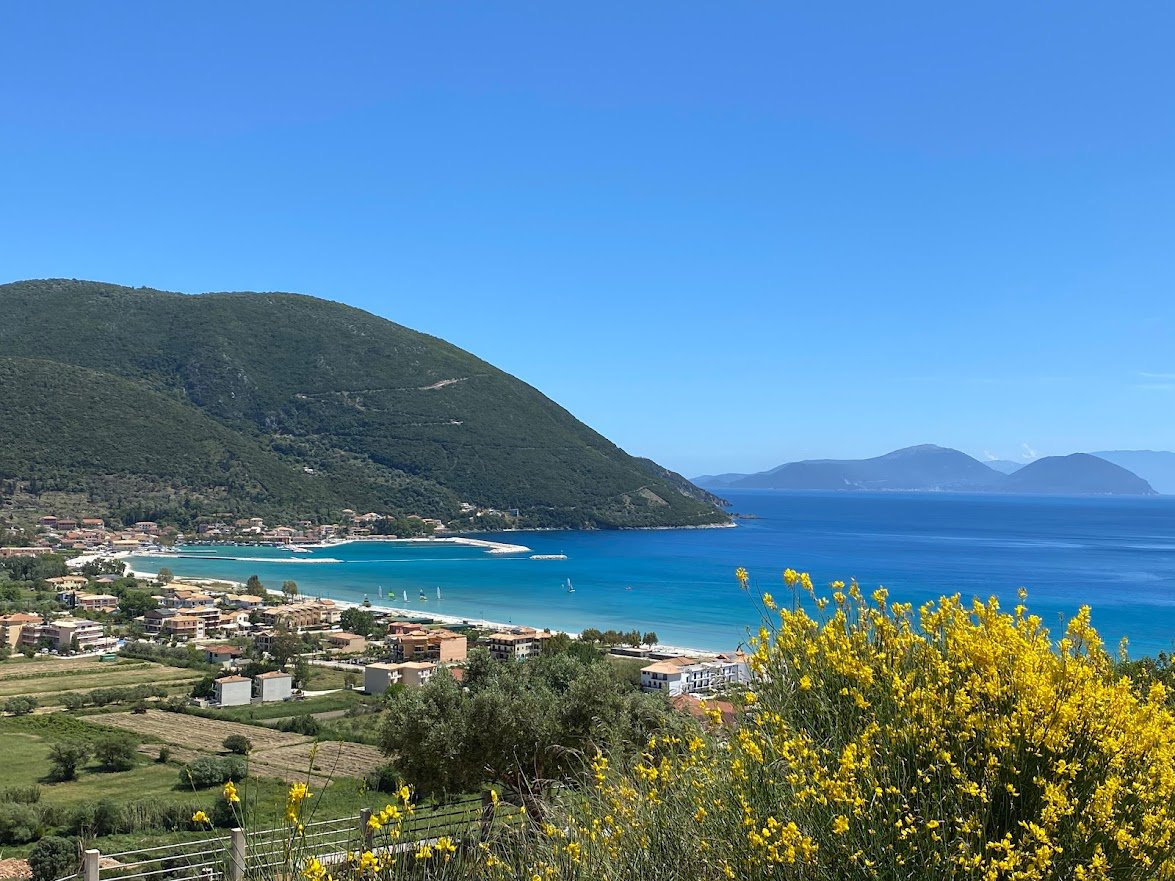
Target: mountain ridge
<point x="406" y="420"/>
<point x="928" y="467"/>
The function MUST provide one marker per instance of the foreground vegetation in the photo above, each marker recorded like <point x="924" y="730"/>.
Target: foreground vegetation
<point x="955" y="741"/>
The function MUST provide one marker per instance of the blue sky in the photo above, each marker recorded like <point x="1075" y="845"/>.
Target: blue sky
<point x="725" y="235"/>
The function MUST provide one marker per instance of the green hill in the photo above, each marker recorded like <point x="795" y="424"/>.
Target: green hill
<point x="291" y="406"/>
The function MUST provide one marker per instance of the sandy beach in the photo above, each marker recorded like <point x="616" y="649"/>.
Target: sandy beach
<point x="401" y="612"/>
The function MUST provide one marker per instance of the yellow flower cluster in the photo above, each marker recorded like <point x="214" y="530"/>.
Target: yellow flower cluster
<point x="953" y="741"/>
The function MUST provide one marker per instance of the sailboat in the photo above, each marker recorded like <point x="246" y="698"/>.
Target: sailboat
<point x="405" y="596"/>
<point x="438" y="593"/>
<point x="570" y="589"/>
<point x="423" y="598"/>
<point x="381" y="591"/>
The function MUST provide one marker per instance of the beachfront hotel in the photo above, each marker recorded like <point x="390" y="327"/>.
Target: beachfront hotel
<point x="678" y="676"/>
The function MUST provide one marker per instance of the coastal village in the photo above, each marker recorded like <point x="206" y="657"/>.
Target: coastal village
<point x="230" y="626"/>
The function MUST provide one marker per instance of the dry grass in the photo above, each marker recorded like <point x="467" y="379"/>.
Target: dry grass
<point x="275" y="753"/>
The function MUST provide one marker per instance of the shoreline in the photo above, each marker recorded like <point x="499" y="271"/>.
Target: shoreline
<point x="380" y="608"/>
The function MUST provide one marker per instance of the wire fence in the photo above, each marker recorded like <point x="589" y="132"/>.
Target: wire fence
<point x="249" y="854"/>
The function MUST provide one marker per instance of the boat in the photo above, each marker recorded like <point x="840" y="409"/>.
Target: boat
<point x="381" y="591"/>
<point x="438" y="593"/>
<point x="405" y="596"/>
<point x="548" y="556"/>
<point x="629" y="587"/>
<point x="570" y="589"/>
<point x="366" y="601"/>
<point x="298" y="549"/>
<point x="423" y="598"/>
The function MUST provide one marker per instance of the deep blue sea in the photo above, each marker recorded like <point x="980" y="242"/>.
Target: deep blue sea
<point x="1115" y="554"/>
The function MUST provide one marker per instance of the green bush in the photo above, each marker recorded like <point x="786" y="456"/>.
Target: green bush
<point x="116" y="754"/>
<point x="66" y="758"/>
<point x="307" y="725"/>
<point x="238" y="743"/>
<point x="19" y="823"/>
<point x="28" y="795"/>
<point x="53" y="857"/>
<point x="21" y="705"/>
<point x="212" y="770"/>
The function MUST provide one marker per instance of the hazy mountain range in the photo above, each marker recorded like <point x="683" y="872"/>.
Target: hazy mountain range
<point x="940" y="469"/>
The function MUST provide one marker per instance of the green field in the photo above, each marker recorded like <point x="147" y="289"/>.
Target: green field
<point x="44" y="687"/>
<point x="27" y="741"/>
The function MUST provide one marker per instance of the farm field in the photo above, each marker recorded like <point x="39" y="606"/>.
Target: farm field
<point x="18" y="667"/>
<point x="35" y="681"/>
<point x="337" y="700"/>
<point x="275" y="753"/>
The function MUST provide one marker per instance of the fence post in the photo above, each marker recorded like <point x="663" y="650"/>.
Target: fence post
<point x="364" y="829"/>
<point x="236" y="866"/>
<point x="90" y="860"/>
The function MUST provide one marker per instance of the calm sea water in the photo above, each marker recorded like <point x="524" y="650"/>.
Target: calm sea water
<point x="1116" y="554"/>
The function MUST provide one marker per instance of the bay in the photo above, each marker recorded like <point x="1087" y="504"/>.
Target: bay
<point x="1116" y="554"/>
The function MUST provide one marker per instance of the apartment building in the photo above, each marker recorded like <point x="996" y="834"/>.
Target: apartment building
<point x="184" y="627"/>
<point x="275" y="686"/>
<point x="440" y="646"/>
<point x="69" y="634"/>
<point x="377" y="678"/>
<point x="232" y="691"/>
<point x="677" y="676"/>
<point x="517" y="645"/>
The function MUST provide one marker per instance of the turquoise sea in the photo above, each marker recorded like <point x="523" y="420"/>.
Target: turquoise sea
<point x="1116" y="554"/>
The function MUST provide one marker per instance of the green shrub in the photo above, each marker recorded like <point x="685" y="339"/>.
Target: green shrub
<point x="307" y="725"/>
<point x="212" y="770"/>
<point x="21" y="705"/>
<point x="238" y="743"/>
<point x="66" y="758"/>
<point x="53" y="857"/>
<point x="116" y="754"/>
<point x="28" y="795"/>
<point x="19" y="823"/>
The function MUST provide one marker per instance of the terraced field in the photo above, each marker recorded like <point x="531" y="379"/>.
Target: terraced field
<point x="49" y="679"/>
<point x="290" y="757"/>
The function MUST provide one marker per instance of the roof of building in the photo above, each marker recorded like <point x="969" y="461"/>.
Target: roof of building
<point x="274" y="674"/>
<point x="20" y="618"/>
<point x="342" y="634"/>
<point x="224" y="679"/>
<point x="662" y="667"/>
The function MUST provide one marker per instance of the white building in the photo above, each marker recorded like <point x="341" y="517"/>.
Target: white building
<point x="273" y="686"/>
<point x="233" y="691"/>
<point x="692" y="676"/>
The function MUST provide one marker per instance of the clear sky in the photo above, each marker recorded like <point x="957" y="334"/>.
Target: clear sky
<point x="727" y="235"/>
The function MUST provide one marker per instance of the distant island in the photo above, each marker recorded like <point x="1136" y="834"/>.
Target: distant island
<point x="931" y="468"/>
<point x="140" y="405"/>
